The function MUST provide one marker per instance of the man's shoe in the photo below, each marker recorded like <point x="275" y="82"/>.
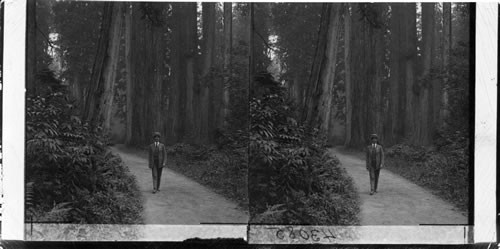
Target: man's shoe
<point x="154" y="191"/>
<point x="371" y="193"/>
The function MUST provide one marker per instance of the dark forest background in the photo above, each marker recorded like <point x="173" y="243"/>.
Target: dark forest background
<point x="348" y="70"/>
<point x="105" y="73"/>
<point x="398" y="70"/>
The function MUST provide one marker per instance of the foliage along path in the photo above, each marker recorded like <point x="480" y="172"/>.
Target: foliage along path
<point x="180" y="200"/>
<point x="397" y="201"/>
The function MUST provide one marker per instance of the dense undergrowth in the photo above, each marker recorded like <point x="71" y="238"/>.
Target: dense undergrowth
<point x="225" y="170"/>
<point x="71" y="176"/>
<point x="443" y="168"/>
<point x="291" y="177"/>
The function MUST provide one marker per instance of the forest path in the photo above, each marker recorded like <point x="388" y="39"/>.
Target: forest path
<point x="397" y="201"/>
<point x="180" y="200"/>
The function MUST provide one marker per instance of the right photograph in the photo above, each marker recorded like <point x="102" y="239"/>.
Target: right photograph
<point x="361" y="114"/>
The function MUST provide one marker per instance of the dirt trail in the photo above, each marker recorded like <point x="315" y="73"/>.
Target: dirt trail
<point x="398" y="201"/>
<point x="180" y="200"/>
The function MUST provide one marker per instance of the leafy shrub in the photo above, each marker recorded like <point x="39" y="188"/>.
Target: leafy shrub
<point x="444" y="171"/>
<point x="292" y="179"/>
<point x="71" y="174"/>
<point x="223" y="169"/>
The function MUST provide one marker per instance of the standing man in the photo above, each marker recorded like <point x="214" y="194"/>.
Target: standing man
<point x="374" y="162"/>
<point x="157" y="160"/>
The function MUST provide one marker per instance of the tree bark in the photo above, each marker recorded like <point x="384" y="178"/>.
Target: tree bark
<point x="360" y="99"/>
<point x="228" y="41"/>
<point x="447" y="44"/>
<point x="183" y="61"/>
<point x="31" y="31"/>
<point x="95" y="91"/>
<point x="410" y="53"/>
<point x="251" y="43"/>
<point x="128" y="71"/>
<point x="139" y="76"/>
<point x="329" y="65"/>
<point x="192" y="96"/>
<point x="158" y="51"/>
<point x="437" y="63"/>
<point x="312" y="86"/>
<point x="365" y="74"/>
<point x="111" y="67"/>
<point x="208" y="49"/>
<point x="397" y="89"/>
<point x="347" y="70"/>
<point x="446" y="34"/>
<point x="174" y="123"/>
<point x="380" y="72"/>
<point x="319" y="104"/>
<point x="424" y="125"/>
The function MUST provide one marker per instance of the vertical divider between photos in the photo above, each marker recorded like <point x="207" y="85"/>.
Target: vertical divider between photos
<point x="486" y="43"/>
<point x="13" y="119"/>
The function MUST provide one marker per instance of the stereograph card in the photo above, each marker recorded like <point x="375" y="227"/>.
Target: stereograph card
<point x="264" y="122"/>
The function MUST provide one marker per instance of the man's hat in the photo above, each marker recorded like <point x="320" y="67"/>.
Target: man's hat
<point x="156" y="134"/>
<point x="372" y="136"/>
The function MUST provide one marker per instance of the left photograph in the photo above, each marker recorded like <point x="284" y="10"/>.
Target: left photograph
<point x="136" y="113"/>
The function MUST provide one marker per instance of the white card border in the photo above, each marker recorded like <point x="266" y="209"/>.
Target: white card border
<point x="485" y="123"/>
<point x="13" y="119"/>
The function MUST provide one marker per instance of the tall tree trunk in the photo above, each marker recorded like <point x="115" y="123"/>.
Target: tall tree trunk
<point x="319" y="104"/>
<point x="183" y="61"/>
<point x="111" y="67"/>
<point x="128" y="71"/>
<point x="192" y="84"/>
<point x="328" y="70"/>
<point x="347" y="70"/>
<point x="437" y="63"/>
<point x="358" y="77"/>
<point x="447" y="43"/>
<point x="158" y="56"/>
<point x="424" y="126"/>
<point x="31" y="33"/>
<point x="309" y="104"/>
<point x="228" y="44"/>
<point x="395" y="129"/>
<point x="93" y="107"/>
<point x="139" y="76"/>
<point x="174" y="122"/>
<point x="410" y="53"/>
<point x="251" y="56"/>
<point x="380" y="72"/>
<point x="409" y="61"/>
<point x="363" y="73"/>
<point x="208" y="49"/>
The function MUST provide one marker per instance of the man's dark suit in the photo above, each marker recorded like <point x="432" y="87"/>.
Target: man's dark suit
<point x="374" y="161"/>
<point x="157" y="160"/>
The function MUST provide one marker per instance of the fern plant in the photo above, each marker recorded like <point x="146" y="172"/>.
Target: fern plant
<point x="67" y="163"/>
<point x="291" y="179"/>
